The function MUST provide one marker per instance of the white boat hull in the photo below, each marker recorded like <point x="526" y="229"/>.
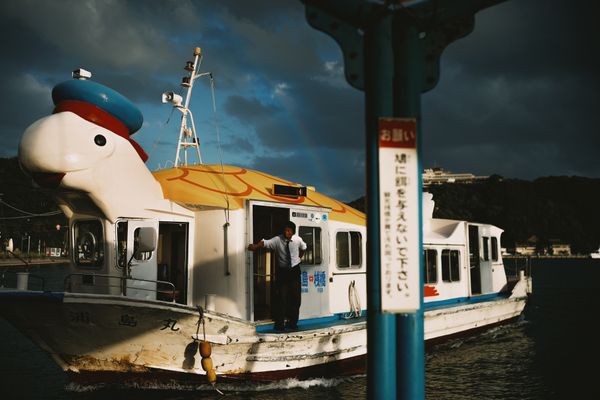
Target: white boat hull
<point x="95" y="333"/>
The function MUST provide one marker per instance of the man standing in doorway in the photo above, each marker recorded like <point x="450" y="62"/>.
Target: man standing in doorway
<point x="289" y="249"/>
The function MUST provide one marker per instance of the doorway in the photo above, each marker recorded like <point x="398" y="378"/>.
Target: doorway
<point x="172" y="261"/>
<point x="266" y="222"/>
<point x="474" y="261"/>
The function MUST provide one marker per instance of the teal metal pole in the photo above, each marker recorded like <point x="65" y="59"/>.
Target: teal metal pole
<point x="398" y="64"/>
<point x="381" y="332"/>
<point x="408" y="78"/>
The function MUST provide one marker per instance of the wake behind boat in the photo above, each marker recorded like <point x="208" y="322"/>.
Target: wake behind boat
<point x="160" y="281"/>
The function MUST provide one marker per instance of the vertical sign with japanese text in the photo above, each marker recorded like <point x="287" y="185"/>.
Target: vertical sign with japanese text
<point x="399" y="215"/>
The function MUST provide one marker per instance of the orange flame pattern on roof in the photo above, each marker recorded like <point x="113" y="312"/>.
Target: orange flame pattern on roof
<point x="209" y="186"/>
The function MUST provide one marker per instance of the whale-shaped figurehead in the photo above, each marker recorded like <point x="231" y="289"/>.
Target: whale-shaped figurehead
<point x="85" y="146"/>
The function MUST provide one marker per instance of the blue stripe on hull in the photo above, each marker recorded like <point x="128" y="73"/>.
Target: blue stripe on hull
<point x="316" y="323"/>
<point x="338" y="319"/>
<point x="459" y="301"/>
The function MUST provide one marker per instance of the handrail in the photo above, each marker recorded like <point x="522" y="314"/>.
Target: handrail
<point x="349" y="273"/>
<point x="68" y="282"/>
<point x="518" y="263"/>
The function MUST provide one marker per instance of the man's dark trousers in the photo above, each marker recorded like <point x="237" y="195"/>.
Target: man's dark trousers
<point x="287" y="297"/>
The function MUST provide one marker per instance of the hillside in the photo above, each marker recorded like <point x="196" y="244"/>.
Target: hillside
<point x="551" y="208"/>
<point x="17" y="192"/>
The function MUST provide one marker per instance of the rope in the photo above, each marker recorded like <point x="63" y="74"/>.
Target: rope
<point x="27" y="213"/>
<point x="354" y="300"/>
<point x="201" y="321"/>
<point x="159" y="135"/>
<point x="30" y="216"/>
<point x="218" y="131"/>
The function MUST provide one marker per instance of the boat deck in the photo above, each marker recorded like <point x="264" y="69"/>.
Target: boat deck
<point x="312" y="324"/>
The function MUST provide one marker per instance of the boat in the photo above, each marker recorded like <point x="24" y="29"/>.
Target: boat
<point x="595" y="254"/>
<point x="161" y="285"/>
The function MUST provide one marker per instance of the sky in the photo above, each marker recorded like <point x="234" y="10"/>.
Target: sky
<point x="517" y="97"/>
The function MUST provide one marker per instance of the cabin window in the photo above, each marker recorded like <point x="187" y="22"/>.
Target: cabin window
<point x="430" y="264"/>
<point x="312" y="238"/>
<point x="348" y="249"/>
<point x="494" y="248"/>
<point x="450" y="265"/>
<point x="486" y="249"/>
<point x="88" y="243"/>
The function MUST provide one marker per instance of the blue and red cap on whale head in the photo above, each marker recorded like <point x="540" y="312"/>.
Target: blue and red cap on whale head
<point x="102" y="106"/>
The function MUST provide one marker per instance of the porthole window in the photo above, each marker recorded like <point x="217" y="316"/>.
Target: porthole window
<point x="88" y="243"/>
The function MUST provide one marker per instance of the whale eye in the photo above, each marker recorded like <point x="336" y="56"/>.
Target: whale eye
<point x="100" y="140"/>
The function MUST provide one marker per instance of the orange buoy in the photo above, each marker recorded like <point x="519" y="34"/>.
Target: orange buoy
<point x="207" y="364"/>
<point x="211" y="376"/>
<point x="205" y="349"/>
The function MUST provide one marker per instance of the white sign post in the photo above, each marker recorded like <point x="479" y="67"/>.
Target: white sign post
<point x="399" y="215"/>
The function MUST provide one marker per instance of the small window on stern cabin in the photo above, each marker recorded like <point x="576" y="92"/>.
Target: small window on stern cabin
<point x="486" y="248"/>
<point x="430" y="266"/>
<point x="450" y="265"/>
<point x="348" y="248"/>
<point x="494" y="248"/>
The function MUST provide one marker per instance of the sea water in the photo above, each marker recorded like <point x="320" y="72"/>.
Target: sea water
<point x="551" y="353"/>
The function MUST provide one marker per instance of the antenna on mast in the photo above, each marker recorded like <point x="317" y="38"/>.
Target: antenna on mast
<point x="187" y="134"/>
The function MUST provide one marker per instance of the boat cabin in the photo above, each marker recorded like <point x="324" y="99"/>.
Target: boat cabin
<point x="181" y="234"/>
<point x="201" y="258"/>
<point x="460" y="259"/>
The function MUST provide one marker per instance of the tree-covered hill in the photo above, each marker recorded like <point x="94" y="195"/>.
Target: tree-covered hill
<point x="20" y="206"/>
<point x="550" y="208"/>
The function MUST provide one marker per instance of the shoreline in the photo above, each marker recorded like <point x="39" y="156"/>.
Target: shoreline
<point x="562" y="256"/>
<point x="15" y="262"/>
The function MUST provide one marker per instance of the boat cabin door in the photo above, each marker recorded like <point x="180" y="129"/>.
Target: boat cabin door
<point x="137" y="241"/>
<point x="267" y="222"/>
<point x="474" y="260"/>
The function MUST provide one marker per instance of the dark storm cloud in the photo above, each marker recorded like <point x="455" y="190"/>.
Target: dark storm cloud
<point x="264" y="12"/>
<point x="124" y="44"/>
<point x="43" y="42"/>
<point x="519" y="95"/>
<point x="529" y="38"/>
<point x="339" y="173"/>
<point x="238" y="145"/>
<point x="249" y="110"/>
<point x="112" y="34"/>
<point x="307" y="112"/>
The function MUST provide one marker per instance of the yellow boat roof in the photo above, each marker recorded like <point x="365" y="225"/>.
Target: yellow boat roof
<point x="209" y="186"/>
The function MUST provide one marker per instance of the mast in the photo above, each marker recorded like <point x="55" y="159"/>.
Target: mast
<point x="187" y="131"/>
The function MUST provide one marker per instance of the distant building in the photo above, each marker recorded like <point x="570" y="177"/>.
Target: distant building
<point x="559" y="248"/>
<point x="529" y="248"/>
<point x="525" y="249"/>
<point x="533" y="246"/>
<point x="437" y="176"/>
